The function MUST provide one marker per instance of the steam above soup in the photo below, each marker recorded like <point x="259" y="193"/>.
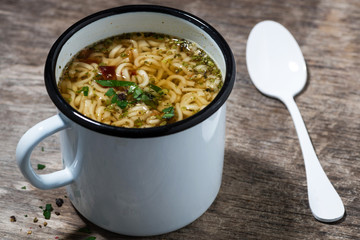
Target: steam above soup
<point x="139" y="80"/>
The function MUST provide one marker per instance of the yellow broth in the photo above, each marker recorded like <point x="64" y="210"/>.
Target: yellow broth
<point x="139" y="80"/>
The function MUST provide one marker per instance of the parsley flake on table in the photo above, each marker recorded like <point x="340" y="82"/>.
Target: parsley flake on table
<point x="40" y="166"/>
<point x="47" y="211"/>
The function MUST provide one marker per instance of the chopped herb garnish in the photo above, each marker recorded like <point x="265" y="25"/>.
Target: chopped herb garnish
<point x="40" y="166"/>
<point x="114" y="99"/>
<point x="110" y="92"/>
<point x="122" y="104"/>
<point x="136" y="91"/>
<point x="169" y="112"/>
<point x="115" y="83"/>
<point x="23" y="187"/>
<point x="25" y="215"/>
<point x="85" y="90"/>
<point x="156" y="89"/>
<point x="149" y="100"/>
<point x="42" y="149"/>
<point x="120" y="100"/>
<point x="47" y="211"/>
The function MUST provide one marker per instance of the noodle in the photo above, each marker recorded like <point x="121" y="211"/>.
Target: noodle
<point x="140" y="80"/>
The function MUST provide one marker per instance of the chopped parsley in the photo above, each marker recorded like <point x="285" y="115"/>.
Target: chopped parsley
<point x="115" y="83"/>
<point x="134" y="93"/>
<point x="156" y="89"/>
<point x="85" y="90"/>
<point x="40" y="166"/>
<point x="47" y="211"/>
<point x="169" y="112"/>
<point x="115" y="98"/>
<point x="110" y="92"/>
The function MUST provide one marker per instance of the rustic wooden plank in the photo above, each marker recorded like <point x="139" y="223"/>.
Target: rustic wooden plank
<point x="263" y="193"/>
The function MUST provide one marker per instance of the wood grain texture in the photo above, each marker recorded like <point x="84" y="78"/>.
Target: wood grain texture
<point x="263" y="193"/>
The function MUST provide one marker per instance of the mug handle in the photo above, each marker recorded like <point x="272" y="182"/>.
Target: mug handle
<point x="27" y="144"/>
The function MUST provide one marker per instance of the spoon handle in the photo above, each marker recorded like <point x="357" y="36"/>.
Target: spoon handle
<point x="325" y="203"/>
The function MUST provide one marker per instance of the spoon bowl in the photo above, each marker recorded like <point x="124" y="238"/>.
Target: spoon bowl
<point x="281" y="61"/>
<point x="277" y="68"/>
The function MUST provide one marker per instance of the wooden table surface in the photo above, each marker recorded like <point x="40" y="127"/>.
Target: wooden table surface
<point x="263" y="193"/>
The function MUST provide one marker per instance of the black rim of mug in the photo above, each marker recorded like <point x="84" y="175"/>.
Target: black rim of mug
<point x="74" y="115"/>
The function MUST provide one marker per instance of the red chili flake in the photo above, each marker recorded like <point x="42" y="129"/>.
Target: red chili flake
<point x="108" y="72"/>
<point x="56" y="237"/>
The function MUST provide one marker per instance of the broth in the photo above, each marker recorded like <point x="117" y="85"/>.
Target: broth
<point x="139" y="80"/>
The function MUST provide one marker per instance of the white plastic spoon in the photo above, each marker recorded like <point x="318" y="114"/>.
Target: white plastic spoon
<point x="277" y="69"/>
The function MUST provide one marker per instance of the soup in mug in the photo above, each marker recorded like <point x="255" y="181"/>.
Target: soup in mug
<point x="139" y="80"/>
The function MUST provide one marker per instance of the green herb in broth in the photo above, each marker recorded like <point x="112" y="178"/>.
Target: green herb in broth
<point x="168" y="112"/>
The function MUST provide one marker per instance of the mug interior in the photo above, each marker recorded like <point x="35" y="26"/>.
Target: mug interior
<point x="138" y="22"/>
<point x="138" y="18"/>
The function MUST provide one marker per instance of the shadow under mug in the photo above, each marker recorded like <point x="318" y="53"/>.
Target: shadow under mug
<point x="137" y="182"/>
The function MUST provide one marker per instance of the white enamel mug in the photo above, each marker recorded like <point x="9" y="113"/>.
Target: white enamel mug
<point x="137" y="182"/>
